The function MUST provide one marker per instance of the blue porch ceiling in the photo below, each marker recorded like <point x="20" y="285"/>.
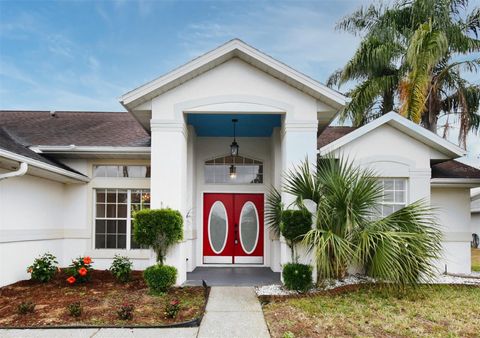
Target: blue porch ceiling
<point x="248" y="125"/>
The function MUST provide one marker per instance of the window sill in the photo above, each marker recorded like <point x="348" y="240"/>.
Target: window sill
<point x="110" y="253"/>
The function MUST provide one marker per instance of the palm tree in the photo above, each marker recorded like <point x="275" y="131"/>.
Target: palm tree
<point x="347" y="231"/>
<point x="407" y="61"/>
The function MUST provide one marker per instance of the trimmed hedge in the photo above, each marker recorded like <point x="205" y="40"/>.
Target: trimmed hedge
<point x="295" y="224"/>
<point x="297" y="277"/>
<point x="160" y="278"/>
<point x="159" y="229"/>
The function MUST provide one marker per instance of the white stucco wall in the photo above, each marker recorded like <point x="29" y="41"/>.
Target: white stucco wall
<point x="454" y="218"/>
<point x="30" y="224"/>
<point x="393" y="154"/>
<point x="39" y="215"/>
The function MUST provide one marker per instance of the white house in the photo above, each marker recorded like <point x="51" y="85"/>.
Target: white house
<point x="69" y="181"/>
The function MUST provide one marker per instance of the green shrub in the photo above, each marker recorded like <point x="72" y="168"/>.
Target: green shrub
<point x="295" y="224"/>
<point x="121" y="268"/>
<point x="297" y="277"/>
<point x="43" y="268"/>
<point x="160" y="278"/>
<point x="75" y="309"/>
<point x="26" y="307"/>
<point x="159" y="229"/>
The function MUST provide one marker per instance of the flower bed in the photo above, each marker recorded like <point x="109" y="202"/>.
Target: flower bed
<point x="100" y="300"/>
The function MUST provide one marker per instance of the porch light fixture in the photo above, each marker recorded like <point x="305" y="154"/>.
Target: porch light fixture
<point x="233" y="172"/>
<point x="234" y="146"/>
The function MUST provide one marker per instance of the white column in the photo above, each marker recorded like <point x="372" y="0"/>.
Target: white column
<point x="299" y="144"/>
<point x="168" y="183"/>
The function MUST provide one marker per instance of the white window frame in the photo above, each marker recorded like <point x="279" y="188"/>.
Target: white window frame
<point x="147" y="166"/>
<point x="128" y="219"/>
<point x="394" y="203"/>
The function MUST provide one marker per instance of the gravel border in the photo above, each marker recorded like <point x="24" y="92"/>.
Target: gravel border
<point x="280" y="290"/>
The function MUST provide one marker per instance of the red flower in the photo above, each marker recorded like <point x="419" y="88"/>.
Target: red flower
<point x="82" y="272"/>
<point x="71" y="280"/>
<point x="174" y="302"/>
<point x="87" y="260"/>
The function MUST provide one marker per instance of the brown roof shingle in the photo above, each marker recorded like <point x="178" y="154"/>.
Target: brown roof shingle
<point x="118" y="129"/>
<point x="331" y="134"/>
<point x="454" y="169"/>
<point x="10" y="143"/>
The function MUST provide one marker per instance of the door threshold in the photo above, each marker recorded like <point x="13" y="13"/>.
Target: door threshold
<point x="212" y="265"/>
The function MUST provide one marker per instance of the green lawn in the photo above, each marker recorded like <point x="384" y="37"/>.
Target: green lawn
<point x="430" y="311"/>
<point x="476" y="260"/>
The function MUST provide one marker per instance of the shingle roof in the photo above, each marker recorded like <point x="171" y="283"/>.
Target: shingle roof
<point x="454" y="169"/>
<point x="10" y="143"/>
<point x="331" y="134"/>
<point x="117" y="129"/>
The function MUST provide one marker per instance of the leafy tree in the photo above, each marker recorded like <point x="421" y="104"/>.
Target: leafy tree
<point x="398" y="248"/>
<point x="410" y="60"/>
<point x="159" y="229"/>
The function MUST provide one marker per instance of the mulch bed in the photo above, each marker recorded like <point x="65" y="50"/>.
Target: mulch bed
<point x="100" y="299"/>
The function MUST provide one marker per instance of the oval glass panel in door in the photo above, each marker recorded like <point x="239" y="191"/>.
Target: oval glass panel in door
<point x="249" y="227"/>
<point x="217" y="227"/>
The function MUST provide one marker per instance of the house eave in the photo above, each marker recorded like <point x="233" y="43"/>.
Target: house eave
<point x="408" y="127"/>
<point x="43" y="166"/>
<point x="455" y="182"/>
<point x="94" y="151"/>
<point x="233" y="48"/>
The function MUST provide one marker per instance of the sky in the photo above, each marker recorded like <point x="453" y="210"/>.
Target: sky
<point x="82" y="55"/>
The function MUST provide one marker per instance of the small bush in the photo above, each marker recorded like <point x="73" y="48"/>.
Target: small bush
<point x="121" y="268"/>
<point x="43" y="268"/>
<point x="75" y="309"/>
<point x="295" y="224"/>
<point x="26" y="307"/>
<point x="172" y="308"/>
<point x="80" y="270"/>
<point x="160" y="278"/>
<point x="159" y="229"/>
<point x="297" y="277"/>
<point x="126" y="311"/>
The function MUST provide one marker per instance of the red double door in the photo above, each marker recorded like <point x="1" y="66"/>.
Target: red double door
<point x="233" y="229"/>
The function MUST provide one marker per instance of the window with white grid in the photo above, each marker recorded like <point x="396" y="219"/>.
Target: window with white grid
<point x="394" y="195"/>
<point x="113" y="216"/>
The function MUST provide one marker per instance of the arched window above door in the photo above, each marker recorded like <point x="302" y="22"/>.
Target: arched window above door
<point x="247" y="170"/>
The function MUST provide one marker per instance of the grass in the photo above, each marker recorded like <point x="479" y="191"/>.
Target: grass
<point x="476" y="260"/>
<point x="372" y="311"/>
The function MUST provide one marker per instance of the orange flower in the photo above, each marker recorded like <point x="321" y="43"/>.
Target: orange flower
<point x="71" y="280"/>
<point x="82" y="272"/>
<point x="87" y="260"/>
<point x="30" y="270"/>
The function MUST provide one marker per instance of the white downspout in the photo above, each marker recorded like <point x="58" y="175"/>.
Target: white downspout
<point x="20" y="172"/>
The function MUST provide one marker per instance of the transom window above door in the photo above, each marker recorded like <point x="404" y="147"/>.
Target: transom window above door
<point x="247" y="170"/>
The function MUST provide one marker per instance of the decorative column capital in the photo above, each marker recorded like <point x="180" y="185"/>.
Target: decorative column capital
<point x="168" y="126"/>
<point x="299" y="126"/>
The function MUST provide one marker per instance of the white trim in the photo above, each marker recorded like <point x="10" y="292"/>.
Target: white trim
<point x="104" y="150"/>
<point x="240" y="229"/>
<point x="233" y="48"/>
<point x="248" y="260"/>
<point x="408" y="127"/>
<point x="43" y="166"/>
<point x="217" y="260"/>
<point x="455" y="182"/>
<point x="209" y="227"/>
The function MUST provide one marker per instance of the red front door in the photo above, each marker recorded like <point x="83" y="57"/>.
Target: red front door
<point x="233" y="228"/>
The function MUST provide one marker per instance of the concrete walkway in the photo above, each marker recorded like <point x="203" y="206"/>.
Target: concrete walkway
<point x="233" y="312"/>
